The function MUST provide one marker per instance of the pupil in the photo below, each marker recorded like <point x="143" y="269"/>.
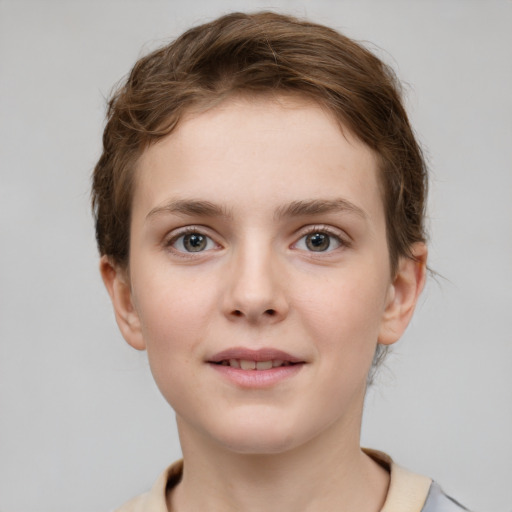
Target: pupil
<point x="318" y="242"/>
<point x="194" y="242"/>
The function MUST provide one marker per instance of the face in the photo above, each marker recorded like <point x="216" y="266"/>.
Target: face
<point x="259" y="278"/>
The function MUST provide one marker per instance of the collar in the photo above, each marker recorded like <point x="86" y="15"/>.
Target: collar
<point x="407" y="491"/>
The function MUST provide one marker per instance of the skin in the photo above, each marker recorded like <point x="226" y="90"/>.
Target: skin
<point x="257" y="284"/>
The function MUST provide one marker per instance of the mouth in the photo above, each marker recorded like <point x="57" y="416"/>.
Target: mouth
<point x="256" y="369"/>
<point x="248" y="364"/>
<point x="257" y="360"/>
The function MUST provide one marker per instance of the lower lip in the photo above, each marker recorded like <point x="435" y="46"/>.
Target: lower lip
<point x="257" y="378"/>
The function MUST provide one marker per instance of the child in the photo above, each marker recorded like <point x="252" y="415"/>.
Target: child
<point x="259" y="210"/>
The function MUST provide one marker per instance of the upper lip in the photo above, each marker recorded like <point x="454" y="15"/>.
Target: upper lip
<point x="262" y="354"/>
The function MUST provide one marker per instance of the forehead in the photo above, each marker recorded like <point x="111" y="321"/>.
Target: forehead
<point x="261" y="150"/>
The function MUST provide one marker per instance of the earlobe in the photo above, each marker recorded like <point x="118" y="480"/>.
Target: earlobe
<point x="403" y="295"/>
<point x="118" y="286"/>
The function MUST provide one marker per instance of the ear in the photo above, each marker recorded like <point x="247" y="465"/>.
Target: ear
<point x="404" y="291"/>
<point x="117" y="283"/>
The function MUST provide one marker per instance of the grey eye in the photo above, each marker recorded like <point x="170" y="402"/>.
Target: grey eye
<point x="318" y="242"/>
<point x="193" y="242"/>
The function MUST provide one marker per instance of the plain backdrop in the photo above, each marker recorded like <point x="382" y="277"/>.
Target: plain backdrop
<point x="82" y="426"/>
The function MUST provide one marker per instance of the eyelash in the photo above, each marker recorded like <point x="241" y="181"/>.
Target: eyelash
<point x="189" y="230"/>
<point x="312" y="230"/>
<point x="341" y="241"/>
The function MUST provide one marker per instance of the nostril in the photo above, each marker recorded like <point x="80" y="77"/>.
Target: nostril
<point x="267" y="312"/>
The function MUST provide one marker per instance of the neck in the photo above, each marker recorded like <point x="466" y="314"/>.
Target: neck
<point x="329" y="473"/>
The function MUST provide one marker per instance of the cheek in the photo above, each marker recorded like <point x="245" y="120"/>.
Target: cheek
<point x="173" y="325"/>
<point x="175" y="311"/>
<point x="344" y="313"/>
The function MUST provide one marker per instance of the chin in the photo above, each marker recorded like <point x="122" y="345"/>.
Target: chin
<point x="259" y="445"/>
<point x="259" y="438"/>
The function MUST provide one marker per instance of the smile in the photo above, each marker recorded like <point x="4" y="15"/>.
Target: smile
<point x="246" y="364"/>
<point x="251" y="359"/>
<point x="249" y="368"/>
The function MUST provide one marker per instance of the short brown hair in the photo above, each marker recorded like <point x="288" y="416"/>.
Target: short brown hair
<point x="252" y="54"/>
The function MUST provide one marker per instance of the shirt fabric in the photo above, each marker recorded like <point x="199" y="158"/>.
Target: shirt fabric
<point x="408" y="491"/>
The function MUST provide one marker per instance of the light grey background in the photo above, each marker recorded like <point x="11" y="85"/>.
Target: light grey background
<point x="82" y="426"/>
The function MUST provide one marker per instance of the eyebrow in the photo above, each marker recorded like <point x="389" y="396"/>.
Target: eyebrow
<point x="319" y="207"/>
<point x="196" y="207"/>
<point x="189" y="207"/>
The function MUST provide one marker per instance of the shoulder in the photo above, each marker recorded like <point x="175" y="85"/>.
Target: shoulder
<point x="438" y="501"/>
<point x="409" y="491"/>
<point x="134" y="505"/>
<point x="155" y="499"/>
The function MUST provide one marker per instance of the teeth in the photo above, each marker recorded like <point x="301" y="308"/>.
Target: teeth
<point x="263" y="365"/>
<point x="247" y="365"/>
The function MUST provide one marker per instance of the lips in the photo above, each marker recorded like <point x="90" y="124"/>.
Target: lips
<point x="259" y="360"/>
<point x="255" y="369"/>
<point x="249" y="364"/>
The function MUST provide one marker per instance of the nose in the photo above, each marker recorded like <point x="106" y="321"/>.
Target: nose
<point x="256" y="287"/>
